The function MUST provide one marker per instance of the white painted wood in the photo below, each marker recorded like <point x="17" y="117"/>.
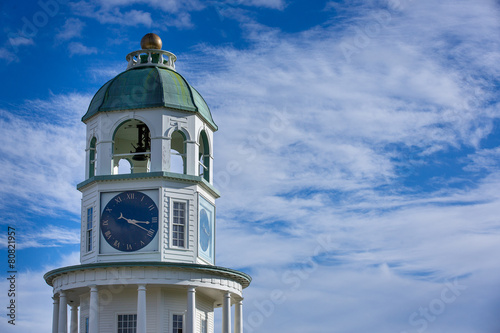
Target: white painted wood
<point x="226" y="313"/>
<point x="94" y="310"/>
<point x="238" y="317"/>
<point x="73" y="325"/>
<point x="191" y="310"/>
<point x="141" y="309"/>
<point x="55" y="314"/>
<point x="62" y="325"/>
<point x="153" y="293"/>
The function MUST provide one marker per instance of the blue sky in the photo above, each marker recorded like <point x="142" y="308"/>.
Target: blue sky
<point x="358" y="151"/>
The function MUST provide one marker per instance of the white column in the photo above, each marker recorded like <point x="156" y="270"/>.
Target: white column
<point x="104" y="152"/>
<point x="94" y="310"/>
<point x="73" y="325"/>
<point x="238" y="317"/>
<point x="191" y="310"/>
<point x="211" y="168"/>
<point x="226" y="313"/>
<point x="55" y="314"/>
<point x="191" y="158"/>
<point x="141" y="309"/>
<point x="160" y="154"/>
<point x="62" y="326"/>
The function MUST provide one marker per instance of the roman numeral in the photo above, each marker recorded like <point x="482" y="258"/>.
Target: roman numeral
<point x="109" y="210"/>
<point x="130" y="195"/>
<point x="129" y="247"/>
<point x="105" y="222"/>
<point x="116" y="243"/>
<point x="142" y="243"/>
<point x="107" y="234"/>
<point x="151" y="207"/>
<point x="151" y="232"/>
<point x="118" y="199"/>
<point x="154" y="220"/>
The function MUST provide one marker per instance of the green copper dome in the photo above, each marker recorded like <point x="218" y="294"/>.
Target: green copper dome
<point x="148" y="87"/>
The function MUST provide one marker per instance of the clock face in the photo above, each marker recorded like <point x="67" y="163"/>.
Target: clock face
<point x="206" y="230"/>
<point x="206" y="219"/>
<point x="129" y="221"/>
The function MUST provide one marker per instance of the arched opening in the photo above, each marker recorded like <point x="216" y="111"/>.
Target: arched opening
<point x="131" y="143"/>
<point x="92" y="157"/>
<point x="178" y="152"/>
<point x="204" y="156"/>
<point x="124" y="166"/>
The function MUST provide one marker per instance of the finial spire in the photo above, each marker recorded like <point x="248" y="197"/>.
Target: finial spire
<point x="151" y="41"/>
<point x="151" y="54"/>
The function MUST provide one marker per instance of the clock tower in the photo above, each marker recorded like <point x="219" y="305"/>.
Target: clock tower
<point x="148" y="211"/>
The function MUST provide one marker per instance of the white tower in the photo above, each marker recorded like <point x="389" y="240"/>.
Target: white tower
<point x="148" y="211"/>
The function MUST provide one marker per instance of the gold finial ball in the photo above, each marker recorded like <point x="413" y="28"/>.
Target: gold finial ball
<point x="151" y="41"/>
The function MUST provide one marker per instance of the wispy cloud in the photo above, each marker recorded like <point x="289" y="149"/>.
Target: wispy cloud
<point x="43" y="236"/>
<point x="484" y="160"/>
<point x="43" y="152"/>
<point x="7" y="55"/>
<point x="35" y="297"/>
<point x="20" y="41"/>
<point x="79" y="48"/>
<point x="319" y="145"/>
<point x="72" y="28"/>
<point x="112" y="15"/>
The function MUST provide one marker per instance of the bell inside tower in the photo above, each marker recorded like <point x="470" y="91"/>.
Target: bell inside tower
<point x="131" y="146"/>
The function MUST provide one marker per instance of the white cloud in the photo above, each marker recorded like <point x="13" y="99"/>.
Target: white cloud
<point x="486" y="159"/>
<point x="274" y="4"/>
<point x="312" y="157"/>
<point x="7" y="55"/>
<point x="313" y="145"/>
<point x="20" y="41"/>
<point x="79" y="48"/>
<point x="112" y="15"/>
<point x="177" y="12"/>
<point x="33" y="298"/>
<point x="339" y="117"/>
<point x="35" y="235"/>
<point x="43" y="153"/>
<point x="72" y="28"/>
<point x="50" y="236"/>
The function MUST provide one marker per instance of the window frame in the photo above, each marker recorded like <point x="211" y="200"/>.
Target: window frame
<point x="127" y="328"/>
<point x="89" y="230"/>
<point x="173" y="201"/>
<point x="204" y="156"/>
<point x="204" y="324"/>
<point x="92" y="156"/>
<point x="180" y="314"/>
<point x="173" y="151"/>
<point x="86" y="324"/>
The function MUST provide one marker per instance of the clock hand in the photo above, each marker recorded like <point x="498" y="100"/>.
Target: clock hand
<point x="137" y="225"/>
<point x="124" y="218"/>
<point x="135" y="221"/>
<point x="131" y="220"/>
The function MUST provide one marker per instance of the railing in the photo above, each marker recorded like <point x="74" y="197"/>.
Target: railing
<point x="158" y="58"/>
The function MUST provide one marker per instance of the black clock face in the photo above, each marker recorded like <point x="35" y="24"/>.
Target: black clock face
<point x="129" y="221"/>
<point x="206" y="230"/>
